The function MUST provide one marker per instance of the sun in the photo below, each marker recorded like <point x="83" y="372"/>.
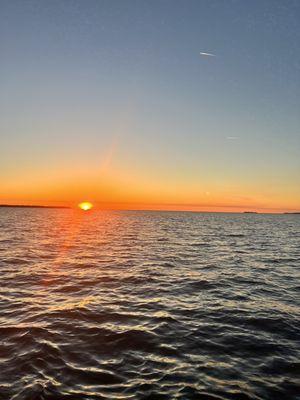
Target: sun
<point x="85" y="206"/>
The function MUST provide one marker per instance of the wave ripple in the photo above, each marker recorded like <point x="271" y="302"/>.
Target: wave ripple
<point x="148" y="305"/>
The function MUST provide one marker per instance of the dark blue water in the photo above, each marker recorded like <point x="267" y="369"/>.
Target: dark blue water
<point x="148" y="305"/>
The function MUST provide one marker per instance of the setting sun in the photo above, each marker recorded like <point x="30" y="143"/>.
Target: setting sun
<point x="85" y="206"/>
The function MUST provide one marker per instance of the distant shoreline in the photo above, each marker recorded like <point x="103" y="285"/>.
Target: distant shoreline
<point x="31" y="206"/>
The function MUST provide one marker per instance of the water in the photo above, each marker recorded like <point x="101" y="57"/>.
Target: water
<point x="148" y="305"/>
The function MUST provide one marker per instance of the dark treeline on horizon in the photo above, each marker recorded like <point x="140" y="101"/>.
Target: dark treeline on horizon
<point x="31" y="206"/>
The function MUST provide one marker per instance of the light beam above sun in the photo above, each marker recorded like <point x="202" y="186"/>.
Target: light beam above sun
<point x="85" y="206"/>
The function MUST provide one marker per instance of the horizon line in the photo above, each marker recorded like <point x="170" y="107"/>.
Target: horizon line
<point x="246" y="210"/>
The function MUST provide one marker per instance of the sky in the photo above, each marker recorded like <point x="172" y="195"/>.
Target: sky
<point x="170" y="104"/>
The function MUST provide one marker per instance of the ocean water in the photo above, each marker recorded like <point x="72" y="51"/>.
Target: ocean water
<point x="148" y="305"/>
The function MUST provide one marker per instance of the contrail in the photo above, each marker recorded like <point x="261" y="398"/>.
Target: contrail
<point x="207" y="54"/>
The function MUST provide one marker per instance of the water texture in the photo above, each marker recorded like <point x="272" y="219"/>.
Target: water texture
<point x="148" y="305"/>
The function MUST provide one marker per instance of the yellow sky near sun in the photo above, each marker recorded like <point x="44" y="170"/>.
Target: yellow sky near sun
<point x="114" y="187"/>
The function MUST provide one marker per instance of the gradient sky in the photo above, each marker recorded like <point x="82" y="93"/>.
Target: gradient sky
<point x="111" y="101"/>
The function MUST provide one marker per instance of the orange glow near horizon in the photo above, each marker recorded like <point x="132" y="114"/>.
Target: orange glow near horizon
<point x="116" y="187"/>
<point x="85" y="206"/>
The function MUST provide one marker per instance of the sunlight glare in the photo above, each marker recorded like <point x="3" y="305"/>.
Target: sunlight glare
<point x="85" y="206"/>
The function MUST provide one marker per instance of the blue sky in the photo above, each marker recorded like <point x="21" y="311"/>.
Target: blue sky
<point x="80" y="77"/>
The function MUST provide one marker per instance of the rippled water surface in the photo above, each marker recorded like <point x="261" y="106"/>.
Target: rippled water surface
<point x="148" y="305"/>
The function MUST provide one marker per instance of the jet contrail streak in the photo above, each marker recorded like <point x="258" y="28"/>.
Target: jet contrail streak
<point x="207" y="54"/>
